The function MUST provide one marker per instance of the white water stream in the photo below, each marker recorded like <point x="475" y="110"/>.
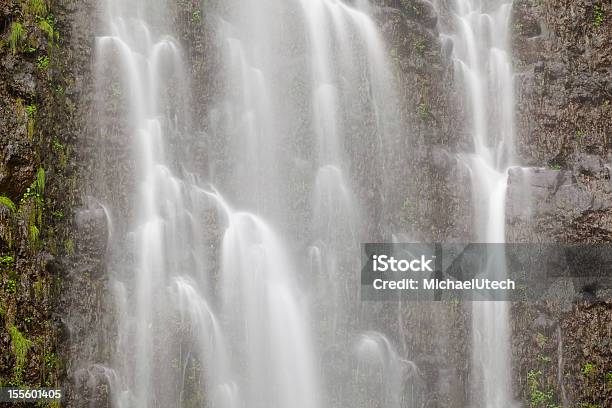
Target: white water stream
<point x="482" y="53"/>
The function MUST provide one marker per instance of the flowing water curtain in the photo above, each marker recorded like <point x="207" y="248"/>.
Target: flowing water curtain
<point x="483" y="60"/>
<point x="164" y="321"/>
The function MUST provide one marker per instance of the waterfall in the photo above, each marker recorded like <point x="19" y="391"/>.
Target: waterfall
<point x="225" y="282"/>
<point x="157" y="275"/>
<point x="483" y="62"/>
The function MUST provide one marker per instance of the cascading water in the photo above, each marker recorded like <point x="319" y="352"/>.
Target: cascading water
<point x="297" y="77"/>
<point x="158" y="277"/>
<point x="483" y="61"/>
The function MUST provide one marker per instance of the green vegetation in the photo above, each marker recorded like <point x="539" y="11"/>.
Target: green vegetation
<point x="423" y="111"/>
<point x="34" y="195"/>
<point x="69" y="246"/>
<point x="588" y="368"/>
<point x="598" y="16"/>
<point x="518" y="28"/>
<point x="56" y="144"/>
<point x="197" y="16"/>
<point x="409" y="8"/>
<point x="541" y="340"/>
<point x="52" y="361"/>
<point x="420" y="46"/>
<point x="34" y="234"/>
<point x="17" y="37"/>
<point x="7" y="202"/>
<point x="37" y="8"/>
<point x="544" y="359"/>
<point x="20" y="347"/>
<point x="7" y="261"/>
<point x="537" y="397"/>
<point x="31" y="112"/>
<point x="42" y="62"/>
<point x="40" y="181"/>
<point x="11" y="286"/>
<point x="48" y="27"/>
<point x="38" y="289"/>
<point x="555" y="166"/>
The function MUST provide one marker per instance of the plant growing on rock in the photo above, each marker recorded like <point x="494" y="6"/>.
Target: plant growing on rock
<point x="36" y="8"/>
<point x="7" y="202"/>
<point x="42" y="62"/>
<point x="6" y="261"/>
<point x="419" y="46"/>
<point x="588" y="368"/>
<point x="598" y="15"/>
<point x="48" y="27"/>
<point x="17" y="37"/>
<point x="537" y="397"/>
<point x="423" y="111"/>
<point x="20" y="347"/>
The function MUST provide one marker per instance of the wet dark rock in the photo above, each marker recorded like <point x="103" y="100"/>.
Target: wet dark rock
<point x="18" y="168"/>
<point x="24" y="83"/>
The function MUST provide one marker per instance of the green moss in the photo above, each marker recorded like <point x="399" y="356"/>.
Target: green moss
<point x="48" y="27"/>
<point x="588" y="368"/>
<point x="38" y="289"/>
<point x="40" y="181"/>
<point x="541" y="340"/>
<point x="7" y="202"/>
<point x="11" y="286"/>
<point x="31" y="112"/>
<point x="56" y="144"/>
<point x="34" y="235"/>
<point x="7" y="261"/>
<point x="598" y="16"/>
<point x="17" y="37"/>
<point x="69" y="246"/>
<point x="20" y="347"/>
<point x="420" y="46"/>
<point x="36" y="8"/>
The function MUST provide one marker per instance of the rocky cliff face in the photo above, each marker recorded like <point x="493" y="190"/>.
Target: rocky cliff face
<point x="563" y="52"/>
<point x="563" y="61"/>
<point x="47" y="293"/>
